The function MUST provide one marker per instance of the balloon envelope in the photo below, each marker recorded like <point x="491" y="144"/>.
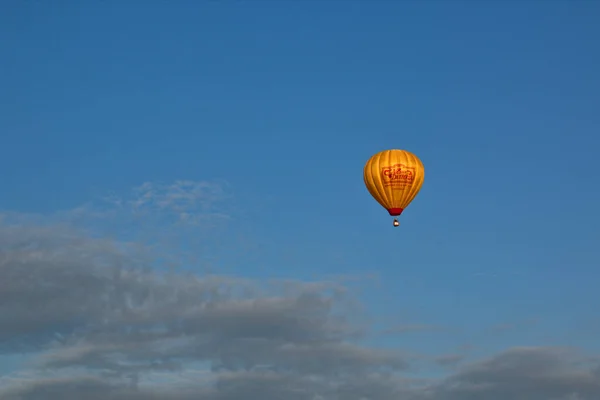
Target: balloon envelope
<point x="394" y="178"/>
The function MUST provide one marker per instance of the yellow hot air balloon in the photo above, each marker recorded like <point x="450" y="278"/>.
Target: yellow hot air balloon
<point x="394" y="178"/>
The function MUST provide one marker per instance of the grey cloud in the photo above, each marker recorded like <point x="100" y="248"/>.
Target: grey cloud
<point x="91" y="388"/>
<point x="236" y="385"/>
<point x="52" y="282"/>
<point x="524" y="373"/>
<point x="102" y="323"/>
<point x="81" y="303"/>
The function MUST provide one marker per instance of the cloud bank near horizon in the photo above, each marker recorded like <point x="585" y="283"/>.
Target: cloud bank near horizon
<point x="93" y="317"/>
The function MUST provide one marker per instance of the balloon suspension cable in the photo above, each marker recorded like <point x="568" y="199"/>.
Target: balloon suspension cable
<point x="396" y="223"/>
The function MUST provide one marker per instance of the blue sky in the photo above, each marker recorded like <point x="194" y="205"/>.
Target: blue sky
<point x="285" y="101"/>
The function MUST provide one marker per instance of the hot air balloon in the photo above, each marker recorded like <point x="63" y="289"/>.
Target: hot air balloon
<point x="394" y="178"/>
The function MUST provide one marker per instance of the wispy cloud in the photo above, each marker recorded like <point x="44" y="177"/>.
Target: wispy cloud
<point x="190" y="200"/>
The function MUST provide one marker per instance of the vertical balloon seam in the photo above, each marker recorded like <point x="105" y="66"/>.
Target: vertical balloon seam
<point x="389" y="199"/>
<point x="390" y="189"/>
<point x="413" y="191"/>
<point x="369" y="179"/>
<point x="398" y="195"/>
<point x="381" y="181"/>
<point x="375" y="176"/>
<point x="405" y="193"/>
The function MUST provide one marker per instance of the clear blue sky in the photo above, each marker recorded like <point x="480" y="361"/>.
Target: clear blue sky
<point x="286" y="100"/>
